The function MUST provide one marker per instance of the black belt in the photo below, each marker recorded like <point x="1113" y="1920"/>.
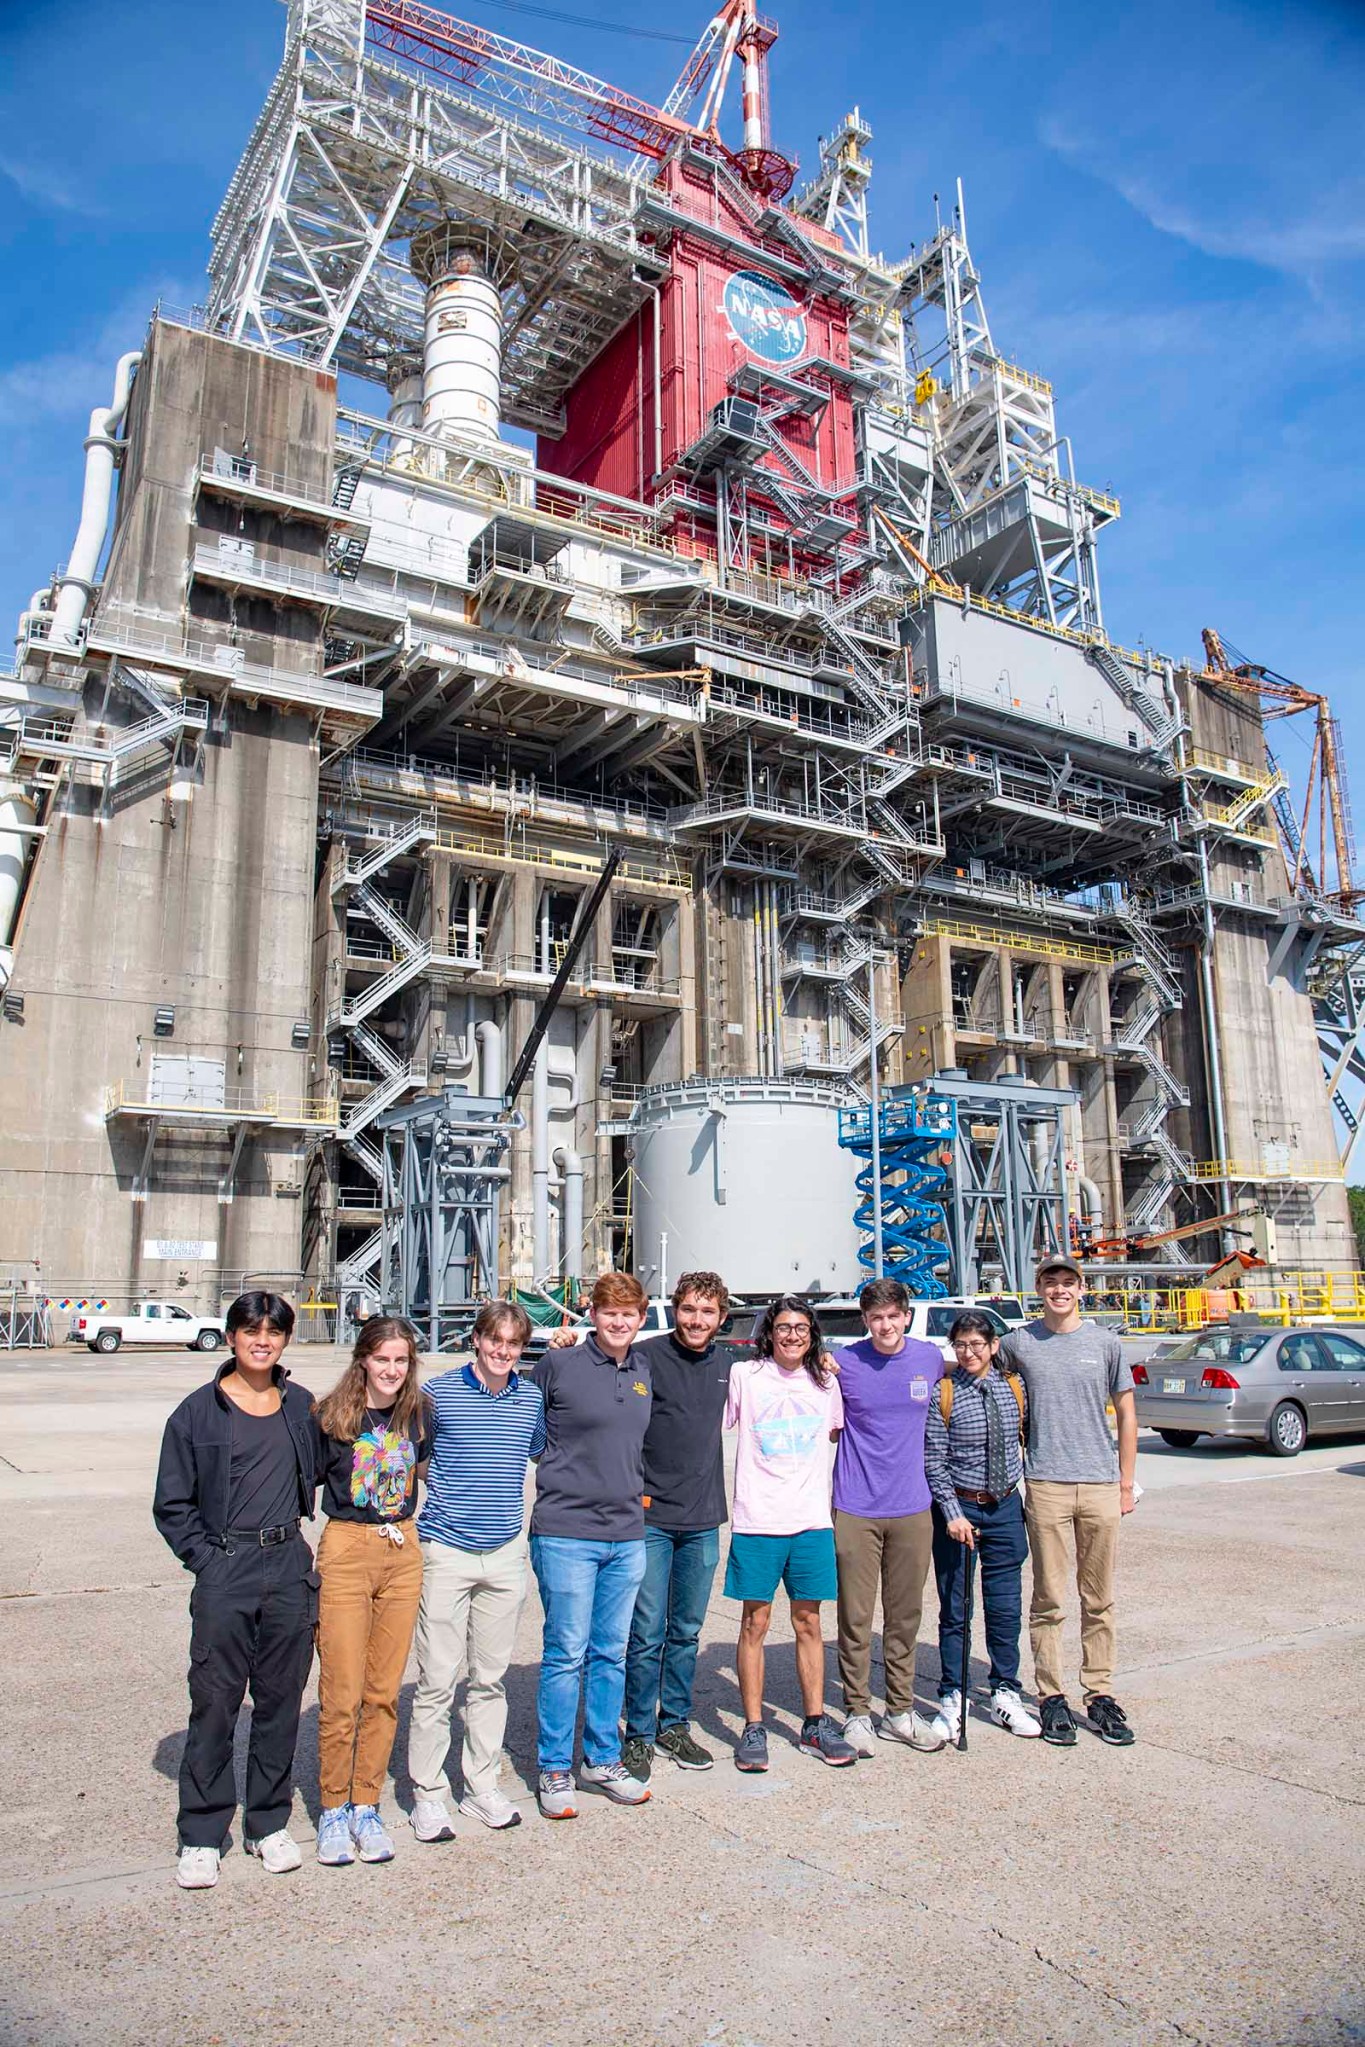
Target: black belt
<point x="265" y="1538"/>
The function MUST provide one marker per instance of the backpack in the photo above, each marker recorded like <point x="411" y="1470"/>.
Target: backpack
<point x="1011" y="1379"/>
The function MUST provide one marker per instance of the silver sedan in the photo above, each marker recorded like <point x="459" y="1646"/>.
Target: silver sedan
<point x="1275" y="1386"/>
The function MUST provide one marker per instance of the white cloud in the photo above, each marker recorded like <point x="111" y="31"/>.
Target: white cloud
<point x="46" y="187"/>
<point x="1298" y="233"/>
<point x="70" y="382"/>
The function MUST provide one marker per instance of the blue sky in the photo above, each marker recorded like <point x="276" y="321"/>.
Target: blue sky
<point x="1167" y="206"/>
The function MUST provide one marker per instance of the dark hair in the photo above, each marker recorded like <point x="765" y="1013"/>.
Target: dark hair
<point x="884" y="1293"/>
<point x="248" y="1311"/>
<point x="708" y="1286"/>
<point x="496" y="1315"/>
<point x="794" y="1304"/>
<point x="341" y="1413"/>
<point x="973" y="1323"/>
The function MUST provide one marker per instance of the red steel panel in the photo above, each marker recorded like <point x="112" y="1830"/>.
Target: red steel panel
<point x="610" y="438"/>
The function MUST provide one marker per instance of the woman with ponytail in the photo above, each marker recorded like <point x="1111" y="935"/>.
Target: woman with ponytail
<point x="375" y="1440"/>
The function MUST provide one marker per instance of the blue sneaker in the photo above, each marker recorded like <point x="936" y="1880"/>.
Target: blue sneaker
<point x="367" y="1831"/>
<point x="334" y="1836"/>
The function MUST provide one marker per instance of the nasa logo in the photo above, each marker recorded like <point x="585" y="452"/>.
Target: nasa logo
<point x="765" y="317"/>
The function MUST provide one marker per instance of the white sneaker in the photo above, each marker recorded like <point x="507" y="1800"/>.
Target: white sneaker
<point x="1008" y="1710"/>
<point x="492" y="1808"/>
<point x="858" y="1734"/>
<point x="278" y="1852"/>
<point x="431" y="1821"/>
<point x="615" y="1781"/>
<point x="947" y="1722"/>
<point x="197" y="1869"/>
<point x="914" y="1730"/>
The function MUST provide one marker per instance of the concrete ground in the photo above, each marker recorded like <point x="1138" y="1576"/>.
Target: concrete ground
<point x="1204" y="1886"/>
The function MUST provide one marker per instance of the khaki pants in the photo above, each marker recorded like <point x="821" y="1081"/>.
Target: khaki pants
<point x="471" y="1603"/>
<point x="1064" y="1520"/>
<point x="366" y="1610"/>
<point x="891" y="1556"/>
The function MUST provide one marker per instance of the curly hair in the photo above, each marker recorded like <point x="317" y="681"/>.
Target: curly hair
<point x="794" y="1304"/>
<point x="341" y="1413"/>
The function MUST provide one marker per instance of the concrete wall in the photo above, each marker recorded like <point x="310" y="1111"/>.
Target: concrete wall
<point x="201" y="903"/>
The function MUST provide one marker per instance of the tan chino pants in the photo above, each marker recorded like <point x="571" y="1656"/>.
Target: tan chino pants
<point x="1073" y="1527"/>
<point x="471" y="1603"/>
<point x="891" y="1557"/>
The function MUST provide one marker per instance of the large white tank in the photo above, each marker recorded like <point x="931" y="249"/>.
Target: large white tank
<point x="745" y="1178"/>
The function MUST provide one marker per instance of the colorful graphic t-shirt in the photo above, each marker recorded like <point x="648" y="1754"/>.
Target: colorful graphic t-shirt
<point x="782" y="1463"/>
<point x="375" y="1477"/>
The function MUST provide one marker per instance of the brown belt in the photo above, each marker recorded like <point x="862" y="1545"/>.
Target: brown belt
<point x="982" y="1499"/>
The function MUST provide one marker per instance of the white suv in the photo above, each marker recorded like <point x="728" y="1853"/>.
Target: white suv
<point x="842" y="1321"/>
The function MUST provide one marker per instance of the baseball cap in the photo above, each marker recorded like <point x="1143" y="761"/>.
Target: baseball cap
<point x="1059" y="1262"/>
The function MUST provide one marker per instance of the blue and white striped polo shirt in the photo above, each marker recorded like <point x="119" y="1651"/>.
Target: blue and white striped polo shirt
<point x="480" y="1444"/>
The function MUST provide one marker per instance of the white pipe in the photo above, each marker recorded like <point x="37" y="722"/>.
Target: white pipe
<point x="540" y="1161"/>
<point x="101" y="447"/>
<point x="658" y="389"/>
<point x="571" y="1210"/>
<point x="489" y="1036"/>
<point x="543" y="965"/>
<point x="39" y="605"/>
<point x="472" y="922"/>
<point x="17" y="813"/>
<point x="1094" y="1203"/>
<point x="462" y="352"/>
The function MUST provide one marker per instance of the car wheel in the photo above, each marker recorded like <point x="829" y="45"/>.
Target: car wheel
<point x="1287" y="1431"/>
<point x="1179" y="1439"/>
<point x="207" y="1339"/>
<point x="107" y="1340"/>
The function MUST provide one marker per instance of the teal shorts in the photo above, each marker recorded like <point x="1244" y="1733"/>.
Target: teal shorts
<point x="804" y="1563"/>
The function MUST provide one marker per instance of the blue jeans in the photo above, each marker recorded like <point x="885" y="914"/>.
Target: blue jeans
<point x="669" y="1610"/>
<point x="1001" y="1547"/>
<point x="588" y="1592"/>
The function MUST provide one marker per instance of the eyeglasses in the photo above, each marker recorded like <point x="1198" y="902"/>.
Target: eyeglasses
<point x="791" y="1329"/>
<point x="972" y="1346"/>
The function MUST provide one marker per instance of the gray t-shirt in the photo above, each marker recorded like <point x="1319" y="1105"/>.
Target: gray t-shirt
<point x="1069" y="1378"/>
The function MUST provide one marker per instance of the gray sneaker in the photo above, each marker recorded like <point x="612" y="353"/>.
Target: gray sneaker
<point x="372" y="1843"/>
<point x="615" y="1782"/>
<point x="751" y="1750"/>
<point x="555" y="1795"/>
<point x="820" y="1737"/>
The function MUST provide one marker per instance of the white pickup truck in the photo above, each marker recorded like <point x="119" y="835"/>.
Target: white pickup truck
<point x="160" y="1322"/>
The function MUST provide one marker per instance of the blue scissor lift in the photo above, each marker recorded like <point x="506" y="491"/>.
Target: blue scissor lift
<point x="918" y="1137"/>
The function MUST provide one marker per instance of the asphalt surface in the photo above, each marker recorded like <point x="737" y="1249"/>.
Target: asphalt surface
<point x="1203" y="1886"/>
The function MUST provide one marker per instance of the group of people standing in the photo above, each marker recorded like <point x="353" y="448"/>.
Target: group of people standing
<point x="624" y="1543"/>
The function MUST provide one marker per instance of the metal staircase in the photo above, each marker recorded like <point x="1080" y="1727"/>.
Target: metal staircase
<point x="1142" y="701"/>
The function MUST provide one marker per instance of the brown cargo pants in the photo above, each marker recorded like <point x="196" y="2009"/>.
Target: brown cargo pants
<point x="890" y="1557"/>
<point x="366" y="1615"/>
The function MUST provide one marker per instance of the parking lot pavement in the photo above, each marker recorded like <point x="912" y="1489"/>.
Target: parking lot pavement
<point x="1203" y="1886"/>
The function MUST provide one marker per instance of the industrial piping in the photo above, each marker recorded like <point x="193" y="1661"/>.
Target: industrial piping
<point x="102" y="444"/>
<point x="540" y="1161"/>
<point x="571" y="1167"/>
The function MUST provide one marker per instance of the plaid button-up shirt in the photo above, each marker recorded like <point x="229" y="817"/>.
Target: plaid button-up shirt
<point x="955" y="1454"/>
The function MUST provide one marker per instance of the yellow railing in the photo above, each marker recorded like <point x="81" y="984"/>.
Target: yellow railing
<point x="1294" y="1168"/>
<point x="663" y="872"/>
<point x="1285" y="1298"/>
<point x="237" y="1104"/>
<point x="1017" y="941"/>
<point x="1220" y="764"/>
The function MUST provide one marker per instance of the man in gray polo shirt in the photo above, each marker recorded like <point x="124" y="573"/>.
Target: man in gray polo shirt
<point x="1079" y="1489"/>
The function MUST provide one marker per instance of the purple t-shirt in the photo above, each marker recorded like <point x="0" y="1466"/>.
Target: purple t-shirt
<point x="879" y="1465"/>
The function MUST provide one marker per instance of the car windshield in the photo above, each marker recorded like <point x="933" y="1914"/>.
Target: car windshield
<point x="941" y="1320"/>
<point x="1219" y="1347"/>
